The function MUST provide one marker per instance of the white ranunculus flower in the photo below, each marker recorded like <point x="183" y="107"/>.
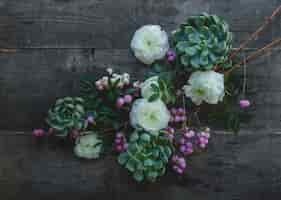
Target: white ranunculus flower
<point x="88" y="146"/>
<point x="146" y="89"/>
<point x="205" y="86"/>
<point x="150" y="43"/>
<point x="151" y="116"/>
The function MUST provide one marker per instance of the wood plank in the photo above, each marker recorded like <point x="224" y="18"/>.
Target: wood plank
<point x="235" y="167"/>
<point x="105" y="24"/>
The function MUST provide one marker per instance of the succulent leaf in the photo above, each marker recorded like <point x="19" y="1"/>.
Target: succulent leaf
<point x="202" y="42"/>
<point x="67" y="114"/>
<point x="147" y="156"/>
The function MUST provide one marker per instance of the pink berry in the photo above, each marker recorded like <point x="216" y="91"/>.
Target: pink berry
<point x="128" y="98"/>
<point x="182" y="141"/>
<point x="183" y="118"/>
<point x="118" y="141"/>
<point x="119" y="148"/>
<point x="180" y="111"/>
<point x="180" y="171"/>
<point x="120" y="102"/>
<point x="90" y="119"/>
<point x="177" y="119"/>
<point x="182" y="165"/>
<point x="244" y="103"/>
<point x="182" y="148"/>
<point x="38" y="133"/>
<point x="119" y="135"/>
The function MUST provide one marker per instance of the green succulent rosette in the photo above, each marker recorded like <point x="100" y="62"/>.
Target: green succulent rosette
<point x="202" y="42"/>
<point x="147" y="156"/>
<point x="67" y="114"/>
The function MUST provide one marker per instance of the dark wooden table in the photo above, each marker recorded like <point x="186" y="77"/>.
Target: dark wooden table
<point x="46" y="45"/>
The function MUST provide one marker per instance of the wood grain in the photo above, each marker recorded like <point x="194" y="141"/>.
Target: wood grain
<point x="58" y="41"/>
<point x="234" y="168"/>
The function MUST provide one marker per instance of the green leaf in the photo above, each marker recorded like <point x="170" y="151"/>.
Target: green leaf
<point x="130" y="165"/>
<point x="152" y="174"/>
<point x="190" y="51"/>
<point x="185" y="60"/>
<point x="145" y="137"/>
<point x="188" y="29"/>
<point x="123" y="158"/>
<point x="148" y="163"/>
<point x="195" y="61"/>
<point x="182" y="46"/>
<point x="203" y="60"/>
<point x="138" y="176"/>
<point x="134" y="137"/>
<point x="80" y="108"/>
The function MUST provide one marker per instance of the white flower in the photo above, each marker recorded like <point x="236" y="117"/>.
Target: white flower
<point x="205" y="86"/>
<point x="109" y="71"/>
<point x="88" y="146"/>
<point x="146" y="89"/>
<point x="151" y="116"/>
<point x="150" y="43"/>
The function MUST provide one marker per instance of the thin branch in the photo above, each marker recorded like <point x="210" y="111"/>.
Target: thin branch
<point x="254" y="55"/>
<point x="8" y="50"/>
<point x="257" y="32"/>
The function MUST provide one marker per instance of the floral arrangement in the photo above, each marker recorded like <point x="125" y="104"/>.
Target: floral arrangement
<point x="152" y="124"/>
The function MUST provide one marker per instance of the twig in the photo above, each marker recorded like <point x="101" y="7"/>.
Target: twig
<point x="245" y="77"/>
<point x="254" y="55"/>
<point x="8" y="50"/>
<point x="257" y="32"/>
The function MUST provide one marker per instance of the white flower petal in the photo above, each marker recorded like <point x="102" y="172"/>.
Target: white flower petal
<point x="150" y="43"/>
<point x="205" y="86"/>
<point x="151" y="116"/>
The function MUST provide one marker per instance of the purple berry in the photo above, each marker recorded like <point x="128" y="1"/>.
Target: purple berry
<point x="182" y="148"/>
<point x="182" y="141"/>
<point x="128" y="98"/>
<point x="119" y="148"/>
<point x="177" y="119"/>
<point x="120" y="102"/>
<point x="118" y="141"/>
<point x="244" y="103"/>
<point x="38" y="133"/>
<point x="90" y="119"/>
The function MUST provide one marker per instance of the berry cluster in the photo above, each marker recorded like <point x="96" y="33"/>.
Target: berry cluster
<point x="121" y="101"/>
<point x="120" y="142"/>
<point x="178" y="164"/>
<point x="178" y="115"/>
<point x="122" y="80"/>
<point x="171" y="55"/>
<point x="186" y="145"/>
<point x="203" y="138"/>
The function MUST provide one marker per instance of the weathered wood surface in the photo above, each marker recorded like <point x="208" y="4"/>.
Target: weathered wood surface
<point x="57" y="41"/>
<point x="236" y="167"/>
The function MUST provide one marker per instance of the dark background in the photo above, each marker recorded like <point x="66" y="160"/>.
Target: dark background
<point x="56" y="41"/>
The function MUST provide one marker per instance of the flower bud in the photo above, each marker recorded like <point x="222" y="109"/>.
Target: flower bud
<point x="244" y="103"/>
<point x="120" y="102"/>
<point x="109" y="71"/>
